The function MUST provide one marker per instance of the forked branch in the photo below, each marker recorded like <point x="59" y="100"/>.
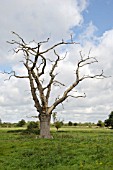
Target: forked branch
<point x="82" y="63"/>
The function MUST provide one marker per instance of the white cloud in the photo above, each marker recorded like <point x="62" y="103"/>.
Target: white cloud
<point x="37" y="20"/>
<point x="40" y="19"/>
<point x="89" y="33"/>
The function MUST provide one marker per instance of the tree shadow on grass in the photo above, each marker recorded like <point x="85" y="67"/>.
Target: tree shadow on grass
<point x="60" y="131"/>
<point x="24" y="131"/>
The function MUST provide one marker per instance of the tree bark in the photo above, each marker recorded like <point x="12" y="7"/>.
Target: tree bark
<point x="45" y="125"/>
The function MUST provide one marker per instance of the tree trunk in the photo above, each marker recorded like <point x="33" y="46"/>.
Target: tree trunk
<point x="45" y="126"/>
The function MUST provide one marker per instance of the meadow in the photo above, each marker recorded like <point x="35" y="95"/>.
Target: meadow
<point x="72" y="148"/>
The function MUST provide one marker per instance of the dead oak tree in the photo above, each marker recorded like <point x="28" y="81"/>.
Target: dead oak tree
<point x="35" y="62"/>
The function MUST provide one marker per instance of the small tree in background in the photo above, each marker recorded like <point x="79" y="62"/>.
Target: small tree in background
<point x="54" y="117"/>
<point x="100" y="123"/>
<point x="57" y="123"/>
<point x="109" y="122"/>
<point x="70" y="123"/>
<point x="21" y="123"/>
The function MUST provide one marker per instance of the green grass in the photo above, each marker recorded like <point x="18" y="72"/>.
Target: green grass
<point x="71" y="149"/>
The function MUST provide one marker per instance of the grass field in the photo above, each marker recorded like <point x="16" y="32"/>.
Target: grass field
<point x="70" y="149"/>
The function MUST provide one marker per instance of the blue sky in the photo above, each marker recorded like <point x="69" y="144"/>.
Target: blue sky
<point x="100" y="12"/>
<point x="90" y="22"/>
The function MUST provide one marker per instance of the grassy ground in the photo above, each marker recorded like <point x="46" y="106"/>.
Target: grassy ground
<point x="71" y="149"/>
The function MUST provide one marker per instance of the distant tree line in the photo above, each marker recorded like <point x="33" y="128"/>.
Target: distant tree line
<point x="58" y="123"/>
<point x="21" y="123"/>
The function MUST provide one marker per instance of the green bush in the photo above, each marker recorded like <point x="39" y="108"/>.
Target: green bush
<point x="33" y="127"/>
<point x="6" y="124"/>
<point x="100" y="123"/>
<point x="75" y="124"/>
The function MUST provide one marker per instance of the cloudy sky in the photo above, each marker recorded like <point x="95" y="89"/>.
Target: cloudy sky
<point x="90" y="23"/>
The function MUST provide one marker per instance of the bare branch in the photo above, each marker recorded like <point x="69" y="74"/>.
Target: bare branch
<point x="50" y="60"/>
<point x="97" y="76"/>
<point x="19" y="37"/>
<point x="55" y="82"/>
<point x="22" y="46"/>
<point x="41" y="42"/>
<point x="44" y="65"/>
<point x="14" y="75"/>
<point x="83" y="62"/>
<point x="89" y="52"/>
<point x="58" y="44"/>
<point x="36" y="58"/>
<point x="52" y="75"/>
<point x="32" y="116"/>
<point x="77" y="96"/>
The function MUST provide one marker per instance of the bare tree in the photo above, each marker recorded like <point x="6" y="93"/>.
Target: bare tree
<point x="35" y="62"/>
